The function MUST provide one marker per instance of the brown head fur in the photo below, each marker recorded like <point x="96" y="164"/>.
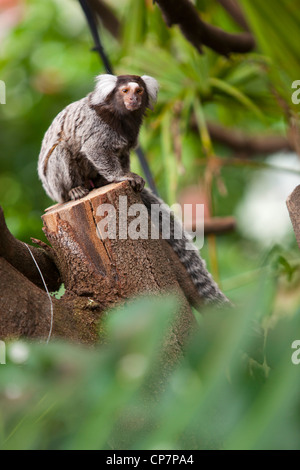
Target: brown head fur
<point x="124" y="108"/>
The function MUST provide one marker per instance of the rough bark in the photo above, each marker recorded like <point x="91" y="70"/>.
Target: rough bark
<point x="24" y="307"/>
<point x="116" y="268"/>
<point x="25" y="311"/>
<point x="17" y="254"/>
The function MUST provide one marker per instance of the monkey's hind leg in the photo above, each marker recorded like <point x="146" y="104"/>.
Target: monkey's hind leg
<point x="64" y="180"/>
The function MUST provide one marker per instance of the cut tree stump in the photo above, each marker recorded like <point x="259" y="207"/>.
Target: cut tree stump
<point x="108" y="270"/>
<point x="98" y="272"/>
<point x="104" y="272"/>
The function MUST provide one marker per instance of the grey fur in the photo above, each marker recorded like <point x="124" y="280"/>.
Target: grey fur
<point x="187" y="253"/>
<point x="77" y="148"/>
<point x="83" y="148"/>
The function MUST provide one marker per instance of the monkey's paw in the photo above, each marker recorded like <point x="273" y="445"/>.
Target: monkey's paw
<point x="78" y="193"/>
<point x="136" y="182"/>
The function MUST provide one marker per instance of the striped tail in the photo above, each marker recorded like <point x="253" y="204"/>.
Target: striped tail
<point x="186" y="252"/>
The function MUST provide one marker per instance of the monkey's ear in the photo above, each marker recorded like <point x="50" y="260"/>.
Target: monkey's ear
<point x="105" y="85"/>
<point x="152" y="89"/>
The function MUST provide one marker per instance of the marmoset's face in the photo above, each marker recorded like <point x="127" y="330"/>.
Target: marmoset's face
<point x="131" y="94"/>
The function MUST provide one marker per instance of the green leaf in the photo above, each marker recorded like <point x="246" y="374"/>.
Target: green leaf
<point x="235" y="93"/>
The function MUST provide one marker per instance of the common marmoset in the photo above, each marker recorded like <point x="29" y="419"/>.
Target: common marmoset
<point x="88" y="145"/>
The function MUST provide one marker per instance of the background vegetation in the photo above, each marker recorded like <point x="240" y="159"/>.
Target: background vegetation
<point x="237" y="387"/>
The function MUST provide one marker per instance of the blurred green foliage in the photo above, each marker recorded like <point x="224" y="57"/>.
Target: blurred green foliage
<point x="236" y="387"/>
<point x="275" y="30"/>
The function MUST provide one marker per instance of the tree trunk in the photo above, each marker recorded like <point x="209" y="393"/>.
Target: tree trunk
<point x="98" y="272"/>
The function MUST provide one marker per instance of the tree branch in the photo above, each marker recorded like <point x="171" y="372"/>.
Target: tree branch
<point x="24" y="308"/>
<point x="199" y="33"/>
<point x="25" y="311"/>
<point x="245" y="145"/>
<point x="213" y="225"/>
<point x="235" y="11"/>
<point x="107" y="17"/>
<point x="16" y="253"/>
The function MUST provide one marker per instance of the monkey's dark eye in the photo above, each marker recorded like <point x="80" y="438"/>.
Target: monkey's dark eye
<point x="124" y="90"/>
<point x="140" y="91"/>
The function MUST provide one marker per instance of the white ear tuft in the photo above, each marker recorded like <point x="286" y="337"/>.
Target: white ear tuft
<point x="105" y="85"/>
<point x="152" y="89"/>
